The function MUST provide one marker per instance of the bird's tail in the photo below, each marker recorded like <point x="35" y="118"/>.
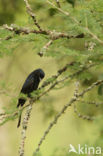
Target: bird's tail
<point x="19" y="121"/>
<point x="21" y="102"/>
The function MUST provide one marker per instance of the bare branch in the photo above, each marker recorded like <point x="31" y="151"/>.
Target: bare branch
<point x="44" y="49"/>
<point x="24" y="128"/>
<point x="18" y="30"/>
<point x="52" y="34"/>
<point x="30" y="12"/>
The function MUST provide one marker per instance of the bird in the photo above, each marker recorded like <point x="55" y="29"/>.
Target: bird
<point x="31" y="83"/>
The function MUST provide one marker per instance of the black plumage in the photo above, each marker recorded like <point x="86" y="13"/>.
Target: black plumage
<point x="30" y="84"/>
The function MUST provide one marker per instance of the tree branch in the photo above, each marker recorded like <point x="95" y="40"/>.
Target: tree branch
<point x="52" y="34"/>
<point x="24" y="128"/>
<point x="84" y="117"/>
<point x="62" y="11"/>
<point x="73" y="99"/>
<point x="92" y="102"/>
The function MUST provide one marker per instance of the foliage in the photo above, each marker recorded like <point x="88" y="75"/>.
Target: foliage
<point x="71" y="33"/>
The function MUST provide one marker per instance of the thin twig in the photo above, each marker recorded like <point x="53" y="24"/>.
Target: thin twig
<point x="73" y="99"/>
<point x="84" y="117"/>
<point x="94" y="36"/>
<point x="18" y="30"/>
<point x="7" y="38"/>
<point x="64" y="12"/>
<point x="30" y="12"/>
<point x="91" y="102"/>
<point x="44" y="49"/>
<point x="59" y="72"/>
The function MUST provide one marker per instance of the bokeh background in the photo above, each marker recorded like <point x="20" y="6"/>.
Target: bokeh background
<point x="14" y="69"/>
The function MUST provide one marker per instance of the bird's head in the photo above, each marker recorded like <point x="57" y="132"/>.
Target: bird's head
<point x="39" y="74"/>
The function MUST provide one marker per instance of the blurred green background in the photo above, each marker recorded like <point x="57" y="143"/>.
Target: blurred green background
<point x="14" y="69"/>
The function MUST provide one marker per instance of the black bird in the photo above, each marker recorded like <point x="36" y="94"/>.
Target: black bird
<point x="30" y="84"/>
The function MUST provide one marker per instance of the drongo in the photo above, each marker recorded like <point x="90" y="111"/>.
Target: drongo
<point x="30" y="84"/>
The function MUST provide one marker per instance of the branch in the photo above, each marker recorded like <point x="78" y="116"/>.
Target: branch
<point x="33" y="16"/>
<point x="24" y="128"/>
<point x="94" y="36"/>
<point x="92" y="102"/>
<point x="62" y="11"/>
<point x="52" y="34"/>
<point x="44" y="49"/>
<point x="7" y="38"/>
<point x="84" y="117"/>
<point x="73" y="99"/>
<point x="18" y="30"/>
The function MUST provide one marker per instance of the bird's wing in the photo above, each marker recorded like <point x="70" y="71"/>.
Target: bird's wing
<point x="28" y="85"/>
